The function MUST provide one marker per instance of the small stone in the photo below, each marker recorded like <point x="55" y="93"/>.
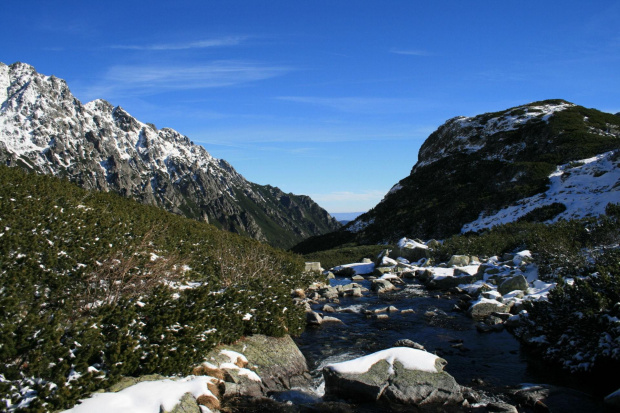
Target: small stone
<point x="328" y="309"/>
<point x="329" y="319"/>
<point x="405" y="342"/>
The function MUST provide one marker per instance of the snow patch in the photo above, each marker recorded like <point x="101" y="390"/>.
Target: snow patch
<point x="145" y="397"/>
<point x="411" y="359"/>
<point x="584" y="187"/>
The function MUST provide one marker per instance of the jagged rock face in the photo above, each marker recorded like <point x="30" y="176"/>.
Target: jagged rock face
<point x="476" y="167"/>
<point x="44" y="128"/>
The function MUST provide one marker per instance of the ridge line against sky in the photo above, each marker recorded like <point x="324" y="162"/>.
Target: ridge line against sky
<point x="328" y="99"/>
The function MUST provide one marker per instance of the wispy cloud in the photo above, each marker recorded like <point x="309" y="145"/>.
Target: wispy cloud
<point x="369" y="105"/>
<point x="200" y="44"/>
<point x="413" y="52"/>
<point x="135" y="80"/>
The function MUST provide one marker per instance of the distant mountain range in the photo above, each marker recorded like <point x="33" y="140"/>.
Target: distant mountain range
<point x="541" y="161"/>
<point x="45" y="129"/>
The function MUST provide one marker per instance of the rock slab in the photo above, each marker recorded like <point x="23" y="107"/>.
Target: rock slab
<point x="391" y="381"/>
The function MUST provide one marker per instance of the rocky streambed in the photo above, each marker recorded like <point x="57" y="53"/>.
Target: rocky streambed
<point x="392" y="336"/>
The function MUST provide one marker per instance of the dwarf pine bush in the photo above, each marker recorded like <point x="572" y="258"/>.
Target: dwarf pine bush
<point x="89" y="287"/>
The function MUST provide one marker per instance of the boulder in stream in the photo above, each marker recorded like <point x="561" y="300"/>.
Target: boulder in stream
<point x="381" y="285"/>
<point x="399" y="375"/>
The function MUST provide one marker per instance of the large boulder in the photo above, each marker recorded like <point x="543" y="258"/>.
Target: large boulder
<point x="277" y="360"/>
<point x="412" y="250"/>
<point x="518" y="282"/>
<point x="398" y="375"/>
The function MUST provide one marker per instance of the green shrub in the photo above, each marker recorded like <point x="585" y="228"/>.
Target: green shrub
<point x="580" y="320"/>
<point x="89" y="293"/>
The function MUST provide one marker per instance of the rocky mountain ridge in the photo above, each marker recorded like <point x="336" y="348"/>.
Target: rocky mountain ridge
<point x="476" y="167"/>
<point x="44" y="128"/>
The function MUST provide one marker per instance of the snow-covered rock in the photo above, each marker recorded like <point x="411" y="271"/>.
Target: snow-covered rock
<point x="398" y="375"/>
<point x="484" y="307"/>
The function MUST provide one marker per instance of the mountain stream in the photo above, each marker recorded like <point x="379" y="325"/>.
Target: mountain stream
<point x="484" y="361"/>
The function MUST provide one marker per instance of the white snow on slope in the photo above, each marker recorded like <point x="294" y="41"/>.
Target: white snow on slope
<point x="584" y="187"/>
<point x="472" y="133"/>
<point x="145" y="397"/>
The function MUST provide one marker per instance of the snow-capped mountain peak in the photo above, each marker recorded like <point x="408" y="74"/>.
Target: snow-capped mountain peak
<point x="43" y="127"/>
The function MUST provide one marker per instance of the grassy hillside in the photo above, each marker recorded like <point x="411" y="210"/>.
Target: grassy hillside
<point x="93" y="286"/>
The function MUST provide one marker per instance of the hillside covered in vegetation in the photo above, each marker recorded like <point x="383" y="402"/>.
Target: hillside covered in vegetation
<point x="96" y="286"/>
<point x="472" y="168"/>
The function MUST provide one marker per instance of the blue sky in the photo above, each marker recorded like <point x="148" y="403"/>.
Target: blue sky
<point x="330" y="99"/>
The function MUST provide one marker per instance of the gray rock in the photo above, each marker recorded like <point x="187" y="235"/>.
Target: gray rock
<point x="458" y="261"/>
<point x="383" y="253"/>
<point x="413" y="254"/>
<point x="549" y="398"/>
<point x="500" y="407"/>
<point x="394" y="384"/>
<point x="125" y="382"/>
<point x="447" y="283"/>
<point x="481" y="310"/>
<point x="329" y="319"/>
<point x="358" y="278"/>
<point x="518" y="282"/>
<point x="313" y="318"/>
<point x="277" y="360"/>
<point x="381" y="286"/>
<point x="328" y="309"/>
<point x="379" y="271"/>
<point x="357" y="292"/>
<point x="187" y="404"/>
<point x="492" y="320"/>
<point x="329" y="292"/>
<point x="405" y="342"/>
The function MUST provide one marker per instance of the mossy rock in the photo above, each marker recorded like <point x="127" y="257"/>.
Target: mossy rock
<point x="277" y="360"/>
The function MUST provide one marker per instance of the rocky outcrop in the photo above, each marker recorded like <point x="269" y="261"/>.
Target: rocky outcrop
<point x="44" y="128"/>
<point x="277" y="361"/>
<point x="398" y="375"/>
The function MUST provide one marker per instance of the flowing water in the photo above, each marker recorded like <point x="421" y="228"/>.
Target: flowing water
<point x="474" y="359"/>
